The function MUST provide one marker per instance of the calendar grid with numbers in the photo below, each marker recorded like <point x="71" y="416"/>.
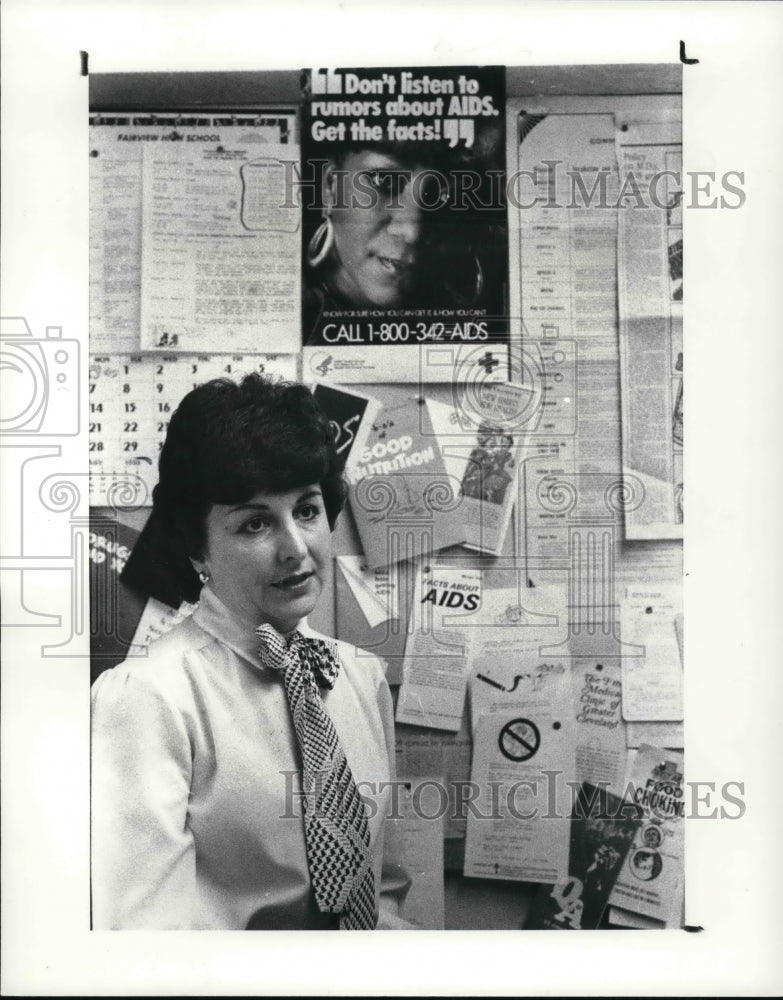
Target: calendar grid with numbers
<point x="131" y="399"/>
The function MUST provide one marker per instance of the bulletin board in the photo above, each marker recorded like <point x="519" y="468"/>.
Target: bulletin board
<point x="539" y="628"/>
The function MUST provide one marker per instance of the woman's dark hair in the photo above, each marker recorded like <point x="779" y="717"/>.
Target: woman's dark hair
<point x="225" y="443"/>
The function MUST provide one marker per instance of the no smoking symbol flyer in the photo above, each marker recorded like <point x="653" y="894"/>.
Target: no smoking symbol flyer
<point x="514" y="756"/>
<point x="519" y="739"/>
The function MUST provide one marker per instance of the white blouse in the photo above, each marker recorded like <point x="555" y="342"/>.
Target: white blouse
<point x="196" y="821"/>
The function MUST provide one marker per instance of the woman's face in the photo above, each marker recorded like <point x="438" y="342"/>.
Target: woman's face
<point x="267" y="558"/>
<point x="643" y="866"/>
<point x="377" y="228"/>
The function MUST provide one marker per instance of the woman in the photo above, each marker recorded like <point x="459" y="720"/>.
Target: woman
<point x="646" y="865"/>
<point x="199" y="771"/>
<point x="387" y="237"/>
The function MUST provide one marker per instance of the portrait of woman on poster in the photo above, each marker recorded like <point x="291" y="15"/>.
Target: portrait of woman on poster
<point x="394" y="233"/>
<point x="646" y="865"/>
<point x="242" y="769"/>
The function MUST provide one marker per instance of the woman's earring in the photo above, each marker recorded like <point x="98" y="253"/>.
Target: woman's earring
<point x="204" y="576"/>
<point x="320" y="245"/>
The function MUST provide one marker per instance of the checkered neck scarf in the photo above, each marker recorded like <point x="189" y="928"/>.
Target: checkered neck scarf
<point x="336" y="830"/>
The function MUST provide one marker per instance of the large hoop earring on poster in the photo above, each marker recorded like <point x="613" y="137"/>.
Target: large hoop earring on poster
<point x="479" y="286"/>
<point x="321" y="243"/>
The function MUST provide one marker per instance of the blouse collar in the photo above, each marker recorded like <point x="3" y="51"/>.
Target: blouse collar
<point x="214" y="617"/>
